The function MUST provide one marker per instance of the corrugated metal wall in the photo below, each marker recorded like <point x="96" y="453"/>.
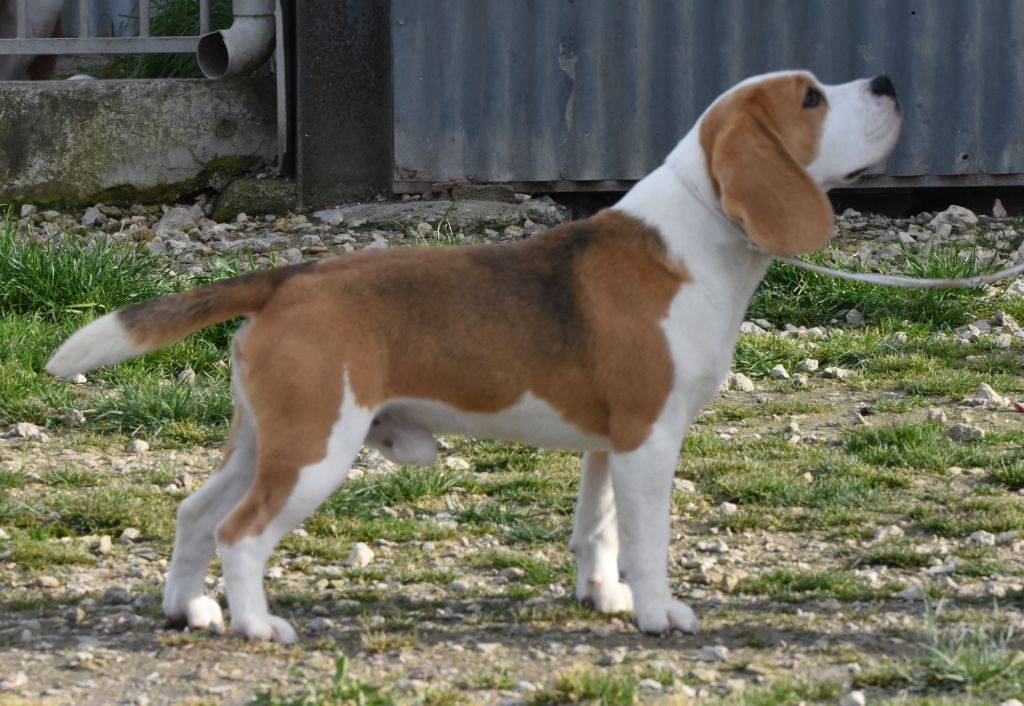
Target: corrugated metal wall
<point x="573" y="91"/>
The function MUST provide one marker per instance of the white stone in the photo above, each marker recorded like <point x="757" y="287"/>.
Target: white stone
<point x="854" y="318"/>
<point x="740" y="382"/>
<point x="888" y="532"/>
<point x="999" y="211"/>
<point x="360" y="556"/>
<point x="129" y="535"/>
<point x="25" y="430"/>
<point x="779" y="372"/>
<point x="954" y="216"/>
<point x="983" y="538"/>
<point x="728" y="508"/>
<point x="712" y="653"/>
<point x="684" y="486"/>
<point x="913" y="593"/>
<point x="456" y="463"/>
<point x="807" y="365"/>
<point x="137" y="446"/>
<point x="964" y="432"/>
<point x="853" y="698"/>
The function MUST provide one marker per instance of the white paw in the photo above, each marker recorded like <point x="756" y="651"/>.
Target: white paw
<point x="199" y="613"/>
<point x="605" y="596"/>
<point x="661" y="617"/>
<point x="204" y="613"/>
<point x="265" y="627"/>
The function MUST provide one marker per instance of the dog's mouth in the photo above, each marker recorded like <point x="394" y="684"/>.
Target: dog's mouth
<point x="855" y="174"/>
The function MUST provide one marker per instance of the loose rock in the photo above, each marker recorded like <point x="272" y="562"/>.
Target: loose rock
<point x="360" y="556"/>
<point x="964" y="432"/>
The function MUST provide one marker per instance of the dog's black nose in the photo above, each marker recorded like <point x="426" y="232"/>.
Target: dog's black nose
<point x="882" y="86"/>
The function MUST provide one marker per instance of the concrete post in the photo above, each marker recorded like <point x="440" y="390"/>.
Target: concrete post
<point x="343" y="124"/>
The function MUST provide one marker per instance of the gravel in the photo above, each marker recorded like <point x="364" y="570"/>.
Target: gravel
<point x="97" y="638"/>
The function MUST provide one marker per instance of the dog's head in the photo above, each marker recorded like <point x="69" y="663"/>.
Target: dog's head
<point x="774" y="144"/>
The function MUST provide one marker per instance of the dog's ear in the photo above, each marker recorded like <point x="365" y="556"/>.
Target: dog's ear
<point x="765" y="189"/>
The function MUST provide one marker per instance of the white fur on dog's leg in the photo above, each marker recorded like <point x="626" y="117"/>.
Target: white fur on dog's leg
<point x="243" y="580"/>
<point x="607" y="597"/>
<point x="595" y="540"/>
<point x="642" y="481"/>
<point x="198" y="516"/>
<point x="203" y="613"/>
<point x="661" y="617"/>
<point x="244" y="559"/>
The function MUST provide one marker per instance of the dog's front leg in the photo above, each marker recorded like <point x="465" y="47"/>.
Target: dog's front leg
<point x="642" y="481"/>
<point x="595" y="540"/>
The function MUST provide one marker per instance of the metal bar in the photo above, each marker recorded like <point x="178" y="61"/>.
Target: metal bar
<point x="84" y="21"/>
<point x="21" y="7"/>
<point x="143" y="18"/>
<point x="204" y="17"/>
<point x="100" y="45"/>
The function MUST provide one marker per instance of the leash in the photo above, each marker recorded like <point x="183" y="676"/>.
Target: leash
<point x="896" y="280"/>
<point x="869" y="277"/>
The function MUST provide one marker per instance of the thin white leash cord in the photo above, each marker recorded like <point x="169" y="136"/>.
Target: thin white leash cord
<point x="897" y="281"/>
<point x="869" y="277"/>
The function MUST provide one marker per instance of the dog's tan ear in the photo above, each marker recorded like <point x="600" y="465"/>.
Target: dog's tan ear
<point x="765" y="189"/>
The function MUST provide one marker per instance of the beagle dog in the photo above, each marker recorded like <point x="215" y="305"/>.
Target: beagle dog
<point x="605" y="335"/>
<point x="43" y="21"/>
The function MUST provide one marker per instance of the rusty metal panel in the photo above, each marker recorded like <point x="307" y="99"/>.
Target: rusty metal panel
<point x="580" y="91"/>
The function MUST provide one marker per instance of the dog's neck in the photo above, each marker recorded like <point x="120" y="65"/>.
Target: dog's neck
<point x="677" y="198"/>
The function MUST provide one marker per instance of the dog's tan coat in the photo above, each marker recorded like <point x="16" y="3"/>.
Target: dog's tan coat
<point x="571" y="317"/>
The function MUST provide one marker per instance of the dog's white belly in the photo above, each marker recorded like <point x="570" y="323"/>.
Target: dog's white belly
<point x="531" y="421"/>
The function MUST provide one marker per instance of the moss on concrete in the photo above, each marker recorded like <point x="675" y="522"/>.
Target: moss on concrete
<point x="256" y="196"/>
<point x="75" y="143"/>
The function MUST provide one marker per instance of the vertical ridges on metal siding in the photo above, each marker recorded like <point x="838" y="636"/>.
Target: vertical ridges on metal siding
<point x="480" y="91"/>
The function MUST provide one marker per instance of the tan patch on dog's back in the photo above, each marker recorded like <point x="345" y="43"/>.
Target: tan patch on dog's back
<point x="571" y="316"/>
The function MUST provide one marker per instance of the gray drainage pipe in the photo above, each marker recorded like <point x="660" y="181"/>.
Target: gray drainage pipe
<point x="244" y="46"/>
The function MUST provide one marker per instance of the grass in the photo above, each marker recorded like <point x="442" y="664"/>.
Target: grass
<point x="342" y="690"/>
<point x="169" y="18"/>
<point x="787" y="585"/>
<point x="792" y="295"/>
<point x="821" y="500"/>
<point x="580" y="686"/>
<point x="983" y="660"/>
<point x="51" y="280"/>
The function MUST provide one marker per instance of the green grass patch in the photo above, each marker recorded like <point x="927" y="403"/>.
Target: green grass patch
<point x="786" y="585"/>
<point x="914" y="445"/>
<point x="341" y="690"/>
<point x="982" y="660"/>
<point x="792" y="295"/>
<point x="783" y="693"/>
<point x="537" y="572"/>
<point x="580" y="686"/>
<point x="407" y="485"/>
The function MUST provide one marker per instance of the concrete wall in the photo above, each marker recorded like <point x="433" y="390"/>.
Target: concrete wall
<point x="71" y="143"/>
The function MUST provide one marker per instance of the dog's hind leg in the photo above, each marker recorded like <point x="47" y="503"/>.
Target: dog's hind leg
<point x="595" y="540"/>
<point x="285" y="492"/>
<point x="184" y="602"/>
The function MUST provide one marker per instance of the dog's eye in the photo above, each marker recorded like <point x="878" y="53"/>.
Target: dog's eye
<point x="813" y="98"/>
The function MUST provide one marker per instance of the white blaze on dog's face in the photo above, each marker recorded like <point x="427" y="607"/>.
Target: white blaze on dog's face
<point x="775" y="143"/>
<point x="861" y="129"/>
